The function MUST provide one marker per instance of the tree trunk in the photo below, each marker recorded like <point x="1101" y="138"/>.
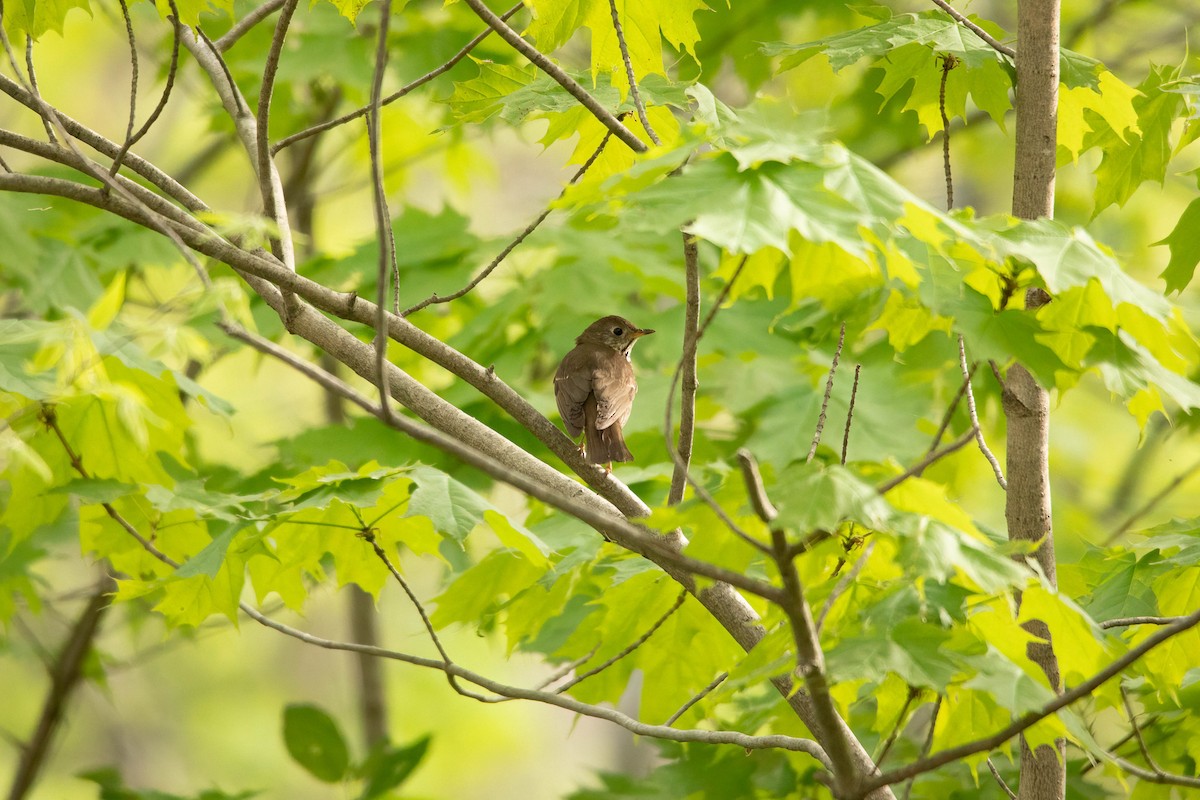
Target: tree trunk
<point x="1026" y="404"/>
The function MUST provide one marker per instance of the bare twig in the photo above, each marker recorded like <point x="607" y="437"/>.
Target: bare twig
<point x="634" y="94"/>
<point x="568" y="668"/>
<point x="1165" y="778"/>
<point x="837" y="353"/>
<point x="521" y="237"/>
<point x="49" y="418"/>
<point x="1027" y="720"/>
<point x="689" y="382"/>
<point x="133" y="137"/>
<point x="133" y="79"/>
<point x="949" y="62"/>
<point x="33" y="82"/>
<point x="696" y="698"/>
<point x="1137" y="733"/>
<point x="369" y="536"/>
<point x="983" y="448"/>
<point x="948" y="417"/>
<point x="562" y="701"/>
<point x="925" y="748"/>
<point x="1125" y="622"/>
<point x="247" y="22"/>
<point x="924" y="463"/>
<point x="850" y="413"/>
<point x="629" y="648"/>
<point x="668" y="424"/>
<point x="383" y="219"/>
<point x="1150" y="504"/>
<point x="996" y="774"/>
<point x="602" y="114"/>
<point x="975" y="29"/>
<point x="396" y="95"/>
<point x="901" y="719"/>
<point x="271" y="203"/>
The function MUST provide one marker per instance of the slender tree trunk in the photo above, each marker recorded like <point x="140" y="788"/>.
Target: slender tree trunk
<point x="1027" y="404"/>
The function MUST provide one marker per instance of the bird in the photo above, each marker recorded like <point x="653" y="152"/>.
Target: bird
<point x="595" y="386"/>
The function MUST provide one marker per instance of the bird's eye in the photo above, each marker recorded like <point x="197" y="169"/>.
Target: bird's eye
<point x="618" y="332"/>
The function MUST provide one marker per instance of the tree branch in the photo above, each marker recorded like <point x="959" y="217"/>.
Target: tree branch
<point x="687" y="363"/>
<point x="396" y="95"/>
<point x="634" y="94"/>
<point x="975" y="29"/>
<point x="602" y="114"/>
<point x="983" y="448"/>
<point x="1027" y="720"/>
<point x="837" y="353"/>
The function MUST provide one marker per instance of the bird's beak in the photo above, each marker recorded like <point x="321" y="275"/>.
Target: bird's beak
<point x="644" y="332"/>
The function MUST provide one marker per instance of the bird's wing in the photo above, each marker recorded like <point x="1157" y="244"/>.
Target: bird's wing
<point x="614" y="386"/>
<point x="572" y="385"/>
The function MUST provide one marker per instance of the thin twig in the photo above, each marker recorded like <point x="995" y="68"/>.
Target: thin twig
<point x="133" y="138"/>
<point x="850" y="413"/>
<point x="901" y="719"/>
<point x="696" y="698"/>
<point x="568" y="668"/>
<point x="634" y="94"/>
<point x="844" y="584"/>
<point x="1137" y="733"/>
<point x="33" y="82"/>
<point x="396" y="95"/>
<point x="668" y="425"/>
<point x="837" y="353"/>
<point x="996" y="774"/>
<point x="983" y="448"/>
<point x="1165" y="778"/>
<point x="975" y="29"/>
<point x="925" y="748"/>
<point x="949" y="62"/>
<point x="1030" y="718"/>
<point x="1124" y="622"/>
<point x="687" y="372"/>
<point x="133" y="81"/>
<point x="630" y="648"/>
<point x="539" y="60"/>
<point x="369" y="536"/>
<point x="924" y="463"/>
<point x="263" y="118"/>
<point x="247" y="22"/>
<point x="948" y="417"/>
<point x="521" y="237"/>
<point x="49" y="418"/>
<point x="1150" y="504"/>
<point x="383" y="220"/>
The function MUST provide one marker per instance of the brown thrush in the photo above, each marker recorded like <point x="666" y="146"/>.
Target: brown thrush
<point x="595" y="386"/>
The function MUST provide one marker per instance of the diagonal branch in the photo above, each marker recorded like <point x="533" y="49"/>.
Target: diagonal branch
<point x="605" y="117"/>
<point x="394" y="96"/>
<point x="1026" y="721"/>
<point x="634" y="93"/>
<point x="994" y="43"/>
<point x="983" y="448"/>
<point x="625" y="651"/>
<point x="521" y="237"/>
<point x="837" y="353"/>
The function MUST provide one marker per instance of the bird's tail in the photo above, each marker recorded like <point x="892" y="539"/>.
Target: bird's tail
<point x="607" y="445"/>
